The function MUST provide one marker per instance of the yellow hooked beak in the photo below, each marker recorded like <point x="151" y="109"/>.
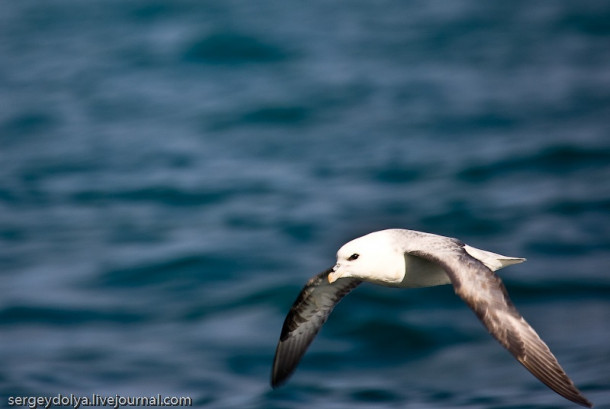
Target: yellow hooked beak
<point x="334" y="275"/>
<point x="332" y="278"/>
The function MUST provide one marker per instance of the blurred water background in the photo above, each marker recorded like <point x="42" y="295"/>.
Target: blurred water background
<point x="171" y="173"/>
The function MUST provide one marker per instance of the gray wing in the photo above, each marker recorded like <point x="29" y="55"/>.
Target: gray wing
<point x="486" y="295"/>
<point x="304" y="320"/>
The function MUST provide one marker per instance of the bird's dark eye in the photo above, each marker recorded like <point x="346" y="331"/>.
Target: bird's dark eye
<point x="353" y="257"/>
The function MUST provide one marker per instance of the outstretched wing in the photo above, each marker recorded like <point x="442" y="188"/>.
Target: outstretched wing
<point x="307" y="315"/>
<point x="486" y="295"/>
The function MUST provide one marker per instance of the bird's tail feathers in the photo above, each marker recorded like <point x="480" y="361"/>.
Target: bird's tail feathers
<point x="492" y="260"/>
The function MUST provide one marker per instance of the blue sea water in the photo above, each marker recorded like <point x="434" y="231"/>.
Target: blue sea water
<point x="171" y="173"/>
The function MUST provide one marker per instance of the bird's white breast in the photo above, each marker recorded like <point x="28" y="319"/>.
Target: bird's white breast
<point x="422" y="273"/>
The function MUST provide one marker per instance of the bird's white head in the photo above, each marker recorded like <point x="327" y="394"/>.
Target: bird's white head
<point x="374" y="257"/>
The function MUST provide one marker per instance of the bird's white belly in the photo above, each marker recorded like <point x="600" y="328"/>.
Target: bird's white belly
<point x="422" y="273"/>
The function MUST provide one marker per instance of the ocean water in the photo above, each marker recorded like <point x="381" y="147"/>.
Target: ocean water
<point x="171" y="174"/>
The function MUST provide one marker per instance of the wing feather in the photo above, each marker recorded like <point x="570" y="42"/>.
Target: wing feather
<point x="485" y="294"/>
<point x="308" y="313"/>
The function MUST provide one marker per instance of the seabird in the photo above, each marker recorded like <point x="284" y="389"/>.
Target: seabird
<point x="410" y="259"/>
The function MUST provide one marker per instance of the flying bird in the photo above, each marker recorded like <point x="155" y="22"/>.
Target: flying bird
<point x="410" y="259"/>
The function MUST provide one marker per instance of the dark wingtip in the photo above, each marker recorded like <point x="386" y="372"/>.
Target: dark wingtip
<point x="276" y="383"/>
<point x="278" y="378"/>
<point x="584" y="402"/>
<point x="275" y="380"/>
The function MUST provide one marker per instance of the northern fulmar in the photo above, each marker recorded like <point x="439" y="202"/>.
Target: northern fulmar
<point x="410" y="259"/>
